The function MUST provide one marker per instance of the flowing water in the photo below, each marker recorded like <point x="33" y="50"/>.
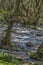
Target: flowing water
<point x="21" y="35"/>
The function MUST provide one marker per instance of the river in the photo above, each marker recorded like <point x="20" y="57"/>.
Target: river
<point x="21" y="35"/>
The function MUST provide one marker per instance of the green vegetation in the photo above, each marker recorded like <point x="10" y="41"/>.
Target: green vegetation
<point x="39" y="54"/>
<point x="29" y="12"/>
<point x="7" y="59"/>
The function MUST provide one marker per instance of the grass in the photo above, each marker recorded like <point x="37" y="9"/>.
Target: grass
<point x="6" y="59"/>
<point x="5" y="63"/>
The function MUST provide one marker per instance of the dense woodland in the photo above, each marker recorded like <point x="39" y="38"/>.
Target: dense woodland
<point x="27" y="12"/>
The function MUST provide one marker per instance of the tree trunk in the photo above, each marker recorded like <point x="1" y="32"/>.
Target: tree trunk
<point x="7" y="37"/>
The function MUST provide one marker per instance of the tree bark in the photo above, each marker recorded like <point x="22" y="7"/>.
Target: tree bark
<point x="7" y="37"/>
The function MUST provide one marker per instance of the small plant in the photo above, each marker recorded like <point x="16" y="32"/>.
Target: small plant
<point x="7" y="58"/>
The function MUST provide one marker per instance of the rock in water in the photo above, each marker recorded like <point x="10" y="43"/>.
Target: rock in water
<point x="29" y="44"/>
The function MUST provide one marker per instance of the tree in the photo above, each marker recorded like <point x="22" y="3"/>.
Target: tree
<point x="10" y="17"/>
<point x="31" y="11"/>
<point x="27" y="10"/>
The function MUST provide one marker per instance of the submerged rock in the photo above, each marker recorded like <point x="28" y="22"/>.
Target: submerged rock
<point x="39" y="34"/>
<point x="20" y="58"/>
<point x="29" y="44"/>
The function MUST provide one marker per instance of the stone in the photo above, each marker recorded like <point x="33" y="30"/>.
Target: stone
<point x="29" y="44"/>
